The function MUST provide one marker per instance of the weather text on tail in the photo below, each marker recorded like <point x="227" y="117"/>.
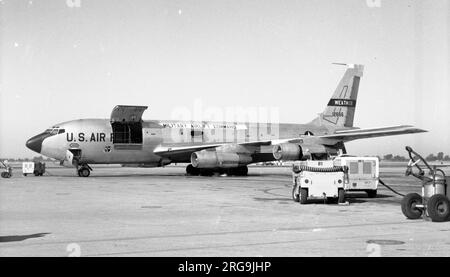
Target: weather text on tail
<point x="340" y="110"/>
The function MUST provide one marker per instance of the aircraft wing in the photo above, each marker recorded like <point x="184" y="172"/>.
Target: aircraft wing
<point x="349" y="135"/>
<point x="344" y="136"/>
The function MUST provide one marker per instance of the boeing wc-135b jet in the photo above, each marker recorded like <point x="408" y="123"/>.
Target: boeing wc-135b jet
<point x="208" y="147"/>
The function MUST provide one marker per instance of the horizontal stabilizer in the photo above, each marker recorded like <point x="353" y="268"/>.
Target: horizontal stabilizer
<point x="354" y="134"/>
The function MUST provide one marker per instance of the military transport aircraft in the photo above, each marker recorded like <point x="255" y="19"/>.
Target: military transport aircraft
<point x="208" y="147"/>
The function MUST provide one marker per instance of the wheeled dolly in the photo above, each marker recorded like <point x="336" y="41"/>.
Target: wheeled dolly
<point x="8" y="170"/>
<point x="434" y="203"/>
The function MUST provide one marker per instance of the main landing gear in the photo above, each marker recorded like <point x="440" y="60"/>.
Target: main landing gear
<point x="236" y="171"/>
<point x="84" y="170"/>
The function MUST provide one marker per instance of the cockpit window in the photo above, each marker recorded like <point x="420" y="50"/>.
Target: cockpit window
<point x="55" y="131"/>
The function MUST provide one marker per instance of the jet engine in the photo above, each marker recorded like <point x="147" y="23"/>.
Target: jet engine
<point x="292" y="151"/>
<point x="213" y="159"/>
<point x="287" y="152"/>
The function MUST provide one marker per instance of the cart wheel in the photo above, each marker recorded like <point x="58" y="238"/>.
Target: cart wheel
<point x="303" y="195"/>
<point x="341" y="196"/>
<point x="438" y="207"/>
<point x="25" y="174"/>
<point x="372" y="193"/>
<point x="409" y="203"/>
<point x="295" y="195"/>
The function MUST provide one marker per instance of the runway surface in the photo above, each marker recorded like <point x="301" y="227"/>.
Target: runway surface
<point x="160" y="212"/>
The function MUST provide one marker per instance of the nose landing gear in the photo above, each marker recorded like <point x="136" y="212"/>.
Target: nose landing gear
<point x="84" y="170"/>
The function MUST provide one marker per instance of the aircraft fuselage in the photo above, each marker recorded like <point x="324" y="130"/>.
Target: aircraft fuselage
<point x="95" y="139"/>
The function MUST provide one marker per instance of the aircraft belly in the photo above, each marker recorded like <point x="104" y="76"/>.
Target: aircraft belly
<point x="112" y="156"/>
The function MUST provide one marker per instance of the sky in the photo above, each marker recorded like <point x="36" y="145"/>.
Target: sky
<point x="68" y="59"/>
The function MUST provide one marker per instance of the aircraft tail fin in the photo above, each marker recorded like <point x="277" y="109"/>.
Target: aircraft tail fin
<point x="340" y="110"/>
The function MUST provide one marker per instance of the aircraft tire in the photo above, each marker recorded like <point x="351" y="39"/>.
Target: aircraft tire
<point x="84" y="172"/>
<point x="238" y="171"/>
<point x="189" y="169"/>
<point x="206" y="172"/>
<point x="192" y="171"/>
<point x="243" y="171"/>
<point x="408" y="206"/>
<point x="438" y="207"/>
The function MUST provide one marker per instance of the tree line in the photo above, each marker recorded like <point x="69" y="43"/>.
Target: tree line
<point x="34" y="159"/>
<point x="430" y="158"/>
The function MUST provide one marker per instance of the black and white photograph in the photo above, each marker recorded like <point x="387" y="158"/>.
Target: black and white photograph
<point x="237" y="130"/>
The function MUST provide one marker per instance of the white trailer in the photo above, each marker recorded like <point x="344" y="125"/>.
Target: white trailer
<point x="363" y="173"/>
<point x="36" y="168"/>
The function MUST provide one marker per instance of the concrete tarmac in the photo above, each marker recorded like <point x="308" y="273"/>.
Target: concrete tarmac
<point x="121" y="211"/>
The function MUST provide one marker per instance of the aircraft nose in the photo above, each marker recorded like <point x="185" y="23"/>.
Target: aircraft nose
<point x="35" y="143"/>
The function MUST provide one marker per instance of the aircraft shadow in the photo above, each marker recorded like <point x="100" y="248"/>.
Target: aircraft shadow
<point x="156" y="175"/>
<point x="21" y="238"/>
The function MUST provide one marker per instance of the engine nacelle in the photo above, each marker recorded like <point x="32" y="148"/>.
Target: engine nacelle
<point x="213" y="159"/>
<point x="287" y="152"/>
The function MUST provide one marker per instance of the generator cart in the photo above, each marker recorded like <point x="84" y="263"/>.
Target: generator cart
<point x="318" y="180"/>
<point x="434" y="201"/>
<point x="7" y="173"/>
<point x="36" y="168"/>
<point x="363" y="173"/>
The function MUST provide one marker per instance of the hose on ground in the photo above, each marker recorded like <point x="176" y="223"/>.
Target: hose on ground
<point x="391" y="189"/>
